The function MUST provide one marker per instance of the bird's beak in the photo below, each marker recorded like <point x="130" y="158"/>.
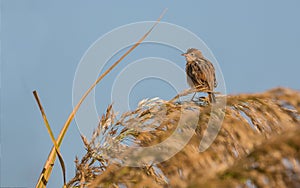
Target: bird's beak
<point x="184" y="54"/>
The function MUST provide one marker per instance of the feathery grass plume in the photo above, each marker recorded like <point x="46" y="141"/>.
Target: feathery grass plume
<point x="251" y="122"/>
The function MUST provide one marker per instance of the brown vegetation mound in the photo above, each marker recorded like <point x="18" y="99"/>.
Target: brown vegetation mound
<point x="257" y="145"/>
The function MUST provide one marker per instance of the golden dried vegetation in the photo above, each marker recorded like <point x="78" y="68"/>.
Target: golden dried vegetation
<point x="257" y="144"/>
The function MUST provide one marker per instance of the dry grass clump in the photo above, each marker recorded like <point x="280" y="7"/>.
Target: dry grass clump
<point x="257" y="144"/>
<point x="272" y="164"/>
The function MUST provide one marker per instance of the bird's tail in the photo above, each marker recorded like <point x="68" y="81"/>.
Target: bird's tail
<point x="212" y="97"/>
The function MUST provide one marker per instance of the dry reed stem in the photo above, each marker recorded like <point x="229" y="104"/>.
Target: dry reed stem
<point x="50" y="132"/>
<point x="46" y="172"/>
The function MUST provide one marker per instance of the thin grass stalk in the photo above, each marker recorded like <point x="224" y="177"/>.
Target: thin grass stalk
<point x="50" y="132"/>
<point x="46" y="172"/>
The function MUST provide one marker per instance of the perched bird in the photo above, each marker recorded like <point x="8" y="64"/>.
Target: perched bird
<point x="200" y="72"/>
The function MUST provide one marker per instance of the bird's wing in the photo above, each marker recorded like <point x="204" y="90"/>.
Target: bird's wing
<point x="193" y="72"/>
<point x="205" y="71"/>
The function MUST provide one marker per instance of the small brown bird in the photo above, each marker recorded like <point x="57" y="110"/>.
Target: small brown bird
<point x="200" y="72"/>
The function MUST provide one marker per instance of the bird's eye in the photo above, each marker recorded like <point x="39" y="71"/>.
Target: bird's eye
<point x="192" y="54"/>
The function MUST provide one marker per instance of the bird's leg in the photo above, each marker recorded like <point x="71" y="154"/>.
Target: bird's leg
<point x="194" y="96"/>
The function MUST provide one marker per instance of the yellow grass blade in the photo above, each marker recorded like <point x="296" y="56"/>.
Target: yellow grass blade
<point x="50" y="132"/>
<point x="46" y="172"/>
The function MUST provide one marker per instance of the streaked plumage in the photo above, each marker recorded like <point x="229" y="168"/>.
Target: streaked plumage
<point x="200" y="72"/>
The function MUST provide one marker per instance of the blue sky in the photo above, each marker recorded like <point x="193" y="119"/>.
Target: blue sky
<point x="256" y="44"/>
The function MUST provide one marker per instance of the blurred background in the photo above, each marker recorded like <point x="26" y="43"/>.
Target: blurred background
<point x="256" y="44"/>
